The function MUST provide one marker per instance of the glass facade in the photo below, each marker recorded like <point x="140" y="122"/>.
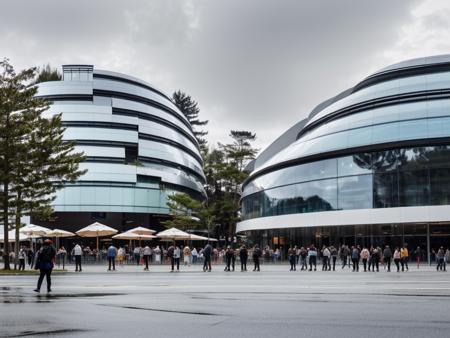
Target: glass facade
<point x="401" y="177"/>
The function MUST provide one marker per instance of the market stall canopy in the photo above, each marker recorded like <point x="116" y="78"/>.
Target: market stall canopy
<point x="142" y="231"/>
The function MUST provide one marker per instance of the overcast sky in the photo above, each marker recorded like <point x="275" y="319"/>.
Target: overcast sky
<point x="251" y="64"/>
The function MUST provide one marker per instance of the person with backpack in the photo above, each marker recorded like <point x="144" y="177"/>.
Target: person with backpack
<point x="291" y="256"/>
<point x="207" y="252"/>
<point x="365" y="257"/>
<point x="303" y="258"/>
<point x="334" y="254"/>
<point x="44" y="263"/>
<point x="256" y="255"/>
<point x="345" y="252"/>
<point x="243" y="256"/>
<point x="404" y="254"/>
<point x="355" y="259"/>
<point x="312" y="255"/>
<point x="170" y="253"/>
<point x="440" y="259"/>
<point x="177" y="257"/>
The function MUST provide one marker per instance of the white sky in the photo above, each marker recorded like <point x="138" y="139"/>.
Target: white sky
<point x="257" y="65"/>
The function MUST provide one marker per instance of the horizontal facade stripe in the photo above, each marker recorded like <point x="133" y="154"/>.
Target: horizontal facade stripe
<point x="173" y="165"/>
<point x="67" y="97"/>
<point x="141" y="99"/>
<point x="97" y="124"/>
<point x="129" y="81"/>
<point x="146" y="116"/>
<point x="377" y="103"/>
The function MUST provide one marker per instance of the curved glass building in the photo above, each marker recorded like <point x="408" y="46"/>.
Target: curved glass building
<point x="140" y="148"/>
<point x="369" y="166"/>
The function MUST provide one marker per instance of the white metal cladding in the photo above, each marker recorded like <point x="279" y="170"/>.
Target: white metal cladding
<point x="106" y="127"/>
<point x="426" y="214"/>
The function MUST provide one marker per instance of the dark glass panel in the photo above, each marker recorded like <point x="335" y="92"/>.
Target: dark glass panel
<point x="355" y="192"/>
<point x="414" y="189"/>
<point x="385" y="188"/>
<point x="440" y="186"/>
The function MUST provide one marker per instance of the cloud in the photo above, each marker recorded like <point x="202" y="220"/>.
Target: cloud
<point x="258" y="65"/>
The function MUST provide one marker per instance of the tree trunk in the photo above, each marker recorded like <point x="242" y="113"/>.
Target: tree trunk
<point x="6" y="226"/>
<point x="17" y="227"/>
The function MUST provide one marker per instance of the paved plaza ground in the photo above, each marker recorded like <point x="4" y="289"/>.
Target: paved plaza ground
<point x="191" y="303"/>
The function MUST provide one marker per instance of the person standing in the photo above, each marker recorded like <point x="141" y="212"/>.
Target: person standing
<point x="229" y="255"/>
<point x="22" y="257"/>
<point x="256" y="256"/>
<point x="77" y="252"/>
<point x="30" y="256"/>
<point x="376" y="259"/>
<point x="137" y="254"/>
<point x="157" y="252"/>
<point x="326" y="259"/>
<point x="207" y="252"/>
<point x="365" y="256"/>
<point x="312" y="255"/>
<point x="397" y="258"/>
<point x="418" y="256"/>
<point x="187" y="256"/>
<point x="147" y="256"/>
<point x="387" y="255"/>
<point x="194" y="254"/>
<point x="355" y="259"/>
<point x="292" y="258"/>
<point x="44" y="263"/>
<point x="243" y="256"/>
<point x="303" y="258"/>
<point x="404" y="254"/>
<point x="111" y="254"/>
<point x="440" y="256"/>
<point x="334" y="254"/>
<point x="177" y="256"/>
<point x="344" y="254"/>
<point x="170" y="254"/>
<point x="121" y="256"/>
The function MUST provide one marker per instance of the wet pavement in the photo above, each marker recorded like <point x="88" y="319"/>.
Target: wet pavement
<point x="274" y="302"/>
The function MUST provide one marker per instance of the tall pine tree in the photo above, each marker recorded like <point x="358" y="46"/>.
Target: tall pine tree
<point x="34" y="159"/>
<point x="191" y="110"/>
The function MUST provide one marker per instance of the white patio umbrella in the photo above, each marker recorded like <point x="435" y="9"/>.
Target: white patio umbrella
<point x="142" y="231"/>
<point x="195" y="237"/>
<point x="173" y="234"/>
<point x="12" y="237"/>
<point x="128" y="235"/>
<point x="58" y="233"/>
<point x="97" y="230"/>
<point x="34" y="230"/>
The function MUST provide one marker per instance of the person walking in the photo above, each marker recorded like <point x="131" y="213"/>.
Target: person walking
<point x="397" y="258"/>
<point x="229" y="255"/>
<point x="243" y="256"/>
<point x="77" y="252"/>
<point x="147" y="256"/>
<point x="187" y="256"/>
<point x="22" y="257"/>
<point x="355" y="259"/>
<point x="111" y="254"/>
<point x="312" y="257"/>
<point x="207" y="252"/>
<point x="364" y="257"/>
<point x="387" y="256"/>
<point x="157" y="252"/>
<point x="326" y="259"/>
<point x="404" y="257"/>
<point x="177" y="256"/>
<point x="292" y="258"/>
<point x="44" y="262"/>
<point x="256" y="256"/>
<point x="121" y="256"/>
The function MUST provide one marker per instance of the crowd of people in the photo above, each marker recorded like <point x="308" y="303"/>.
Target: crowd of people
<point x="307" y="258"/>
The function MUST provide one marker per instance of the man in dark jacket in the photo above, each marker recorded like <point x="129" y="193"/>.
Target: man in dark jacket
<point x="230" y="259"/>
<point x="207" y="251"/>
<point x="243" y="256"/>
<point x="44" y="263"/>
<point x="256" y="255"/>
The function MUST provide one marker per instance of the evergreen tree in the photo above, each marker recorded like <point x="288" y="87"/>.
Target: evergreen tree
<point x="191" y="110"/>
<point x="184" y="210"/>
<point x="34" y="160"/>
<point x="47" y="73"/>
